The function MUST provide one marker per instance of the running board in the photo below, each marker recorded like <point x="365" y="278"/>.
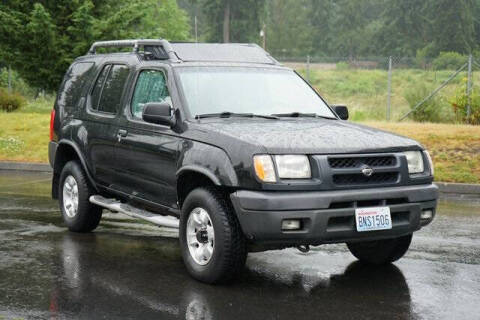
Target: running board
<point x="117" y="206"/>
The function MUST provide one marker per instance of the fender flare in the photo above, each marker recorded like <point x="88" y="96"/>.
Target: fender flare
<point x="209" y="174"/>
<point x="80" y="156"/>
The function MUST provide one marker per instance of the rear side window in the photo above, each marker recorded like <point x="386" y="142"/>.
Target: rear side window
<point x="73" y="83"/>
<point x="97" y="89"/>
<point x="108" y="89"/>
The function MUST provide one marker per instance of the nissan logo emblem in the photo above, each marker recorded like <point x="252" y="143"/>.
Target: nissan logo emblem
<point x="367" y="171"/>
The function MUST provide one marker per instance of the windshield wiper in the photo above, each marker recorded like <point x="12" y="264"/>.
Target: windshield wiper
<point x="301" y="115"/>
<point x="227" y="114"/>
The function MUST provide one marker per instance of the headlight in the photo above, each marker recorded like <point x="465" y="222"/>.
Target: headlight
<point x="415" y="161"/>
<point x="288" y="167"/>
<point x="264" y="168"/>
<point x="430" y="162"/>
<point x="293" y="167"/>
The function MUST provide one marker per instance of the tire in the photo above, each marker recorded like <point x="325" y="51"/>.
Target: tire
<point x="87" y="216"/>
<point x="228" y="246"/>
<point x="380" y="251"/>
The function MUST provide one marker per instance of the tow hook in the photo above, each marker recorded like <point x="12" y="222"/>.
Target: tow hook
<point x="304" y="248"/>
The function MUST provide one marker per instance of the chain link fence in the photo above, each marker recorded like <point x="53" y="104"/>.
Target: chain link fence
<point x="375" y="88"/>
<point x="395" y="88"/>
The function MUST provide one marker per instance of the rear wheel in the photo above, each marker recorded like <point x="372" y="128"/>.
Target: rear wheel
<point x="380" y="251"/>
<point x="212" y="242"/>
<point x="78" y="213"/>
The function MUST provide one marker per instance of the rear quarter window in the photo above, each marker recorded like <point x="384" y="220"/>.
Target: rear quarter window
<point x="73" y="83"/>
<point x="113" y="89"/>
<point x="97" y="89"/>
<point x="108" y="89"/>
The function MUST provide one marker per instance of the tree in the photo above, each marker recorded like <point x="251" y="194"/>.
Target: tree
<point x="322" y="20"/>
<point x="454" y="29"/>
<point x="293" y="36"/>
<point x="41" y="39"/>
<point x="355" y="26"/>
<point x="194" y="10"/>
<point x="428" y="27"/>
<point x="232" y="21"/>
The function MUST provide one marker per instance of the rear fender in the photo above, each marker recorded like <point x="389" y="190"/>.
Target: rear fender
<point x="67" y="151"/>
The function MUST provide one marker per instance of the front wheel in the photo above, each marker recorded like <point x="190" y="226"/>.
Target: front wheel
<point x="380" y="251"/>
<point x="212" y="243"/>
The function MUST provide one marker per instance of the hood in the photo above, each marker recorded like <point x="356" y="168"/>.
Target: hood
<point x="298" y="135"/>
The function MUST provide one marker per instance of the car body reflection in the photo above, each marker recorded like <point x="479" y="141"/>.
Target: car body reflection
<point x="142" y="277"/>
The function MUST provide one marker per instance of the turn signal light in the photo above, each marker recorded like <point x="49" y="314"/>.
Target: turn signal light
<point x="264" y="168"/>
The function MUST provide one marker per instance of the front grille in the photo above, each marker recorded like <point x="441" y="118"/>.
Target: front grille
<point x="357" y="162"/>
<point x="368" y="203"/>
<point x="361" y="179"/>
<point x="363" y="170"/>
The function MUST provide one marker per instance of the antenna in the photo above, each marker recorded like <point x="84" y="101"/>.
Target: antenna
<point x="196" y="34"/>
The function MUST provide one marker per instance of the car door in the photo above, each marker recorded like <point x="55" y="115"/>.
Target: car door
<point x="100" y="129"/>
<point x="147" y="153"/>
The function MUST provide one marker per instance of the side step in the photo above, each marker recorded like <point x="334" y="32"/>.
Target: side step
<point x="114" y="205"/>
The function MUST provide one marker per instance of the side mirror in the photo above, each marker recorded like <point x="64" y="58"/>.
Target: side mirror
<point x="159" y="113"/>
<point x="341" y="111"/>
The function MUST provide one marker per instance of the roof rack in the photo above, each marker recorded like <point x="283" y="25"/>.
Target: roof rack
<point x="160" y="49"/>
<point x="136" y="44"/>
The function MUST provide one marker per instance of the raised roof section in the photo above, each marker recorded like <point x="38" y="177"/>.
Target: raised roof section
<point x="222" y="52"/>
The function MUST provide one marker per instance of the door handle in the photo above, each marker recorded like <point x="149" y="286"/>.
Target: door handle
<point x="121" y="134"/>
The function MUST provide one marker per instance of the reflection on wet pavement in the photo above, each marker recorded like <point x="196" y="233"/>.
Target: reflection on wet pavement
<point x="128" y="269"/>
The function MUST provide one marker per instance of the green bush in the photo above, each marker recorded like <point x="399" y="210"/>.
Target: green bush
<point x="430" y="111"/>
<point x="42" y="104"/>
<point x="449" y="61"/>
<point x="17" y="83"/>
<point x="421" y="59"/>
<point x="11" y="101"/>
<point x="460" y="101"/>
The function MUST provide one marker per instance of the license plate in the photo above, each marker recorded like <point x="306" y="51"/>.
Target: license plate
<point x="370" y="219"/>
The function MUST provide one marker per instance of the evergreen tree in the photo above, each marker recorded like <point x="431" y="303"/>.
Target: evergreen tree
<point x="322" y="21"/>
<point x="429" y="27"/>
<point x="41" y="39"/>
<point x="288" y="30"/>
<point x="453" y="25"/>
<point x="233" y="21"/>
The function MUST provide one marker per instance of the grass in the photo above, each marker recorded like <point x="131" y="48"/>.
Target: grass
<point x="455" y="149"/>
<point x="365" y="91"/>
<point x="24" y="134"/>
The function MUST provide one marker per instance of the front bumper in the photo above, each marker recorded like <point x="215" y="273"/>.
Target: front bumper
<point x="329" y="216"/>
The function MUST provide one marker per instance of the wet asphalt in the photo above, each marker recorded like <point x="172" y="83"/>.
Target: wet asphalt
<point x="131" y="270"/>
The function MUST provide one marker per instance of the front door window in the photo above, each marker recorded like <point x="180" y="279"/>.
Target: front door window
<point x="151" y="87"/>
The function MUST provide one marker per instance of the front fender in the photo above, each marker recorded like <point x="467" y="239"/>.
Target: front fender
<point x="211" y="161"/>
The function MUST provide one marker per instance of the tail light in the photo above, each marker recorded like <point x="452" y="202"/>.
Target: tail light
<point x="52" y="121"/>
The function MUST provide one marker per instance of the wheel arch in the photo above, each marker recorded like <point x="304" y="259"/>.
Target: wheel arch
<point x="202" y="164"/>
<point x="192" y="177"/>
<point x="68" y="151"/>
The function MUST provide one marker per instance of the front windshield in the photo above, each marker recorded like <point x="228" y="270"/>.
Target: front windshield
<point x="260" y="91"/>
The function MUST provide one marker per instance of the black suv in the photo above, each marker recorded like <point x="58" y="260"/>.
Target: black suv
<point x="235" y="150"/>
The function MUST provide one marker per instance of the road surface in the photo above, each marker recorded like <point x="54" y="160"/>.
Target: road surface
<point x="128" y="269"/>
